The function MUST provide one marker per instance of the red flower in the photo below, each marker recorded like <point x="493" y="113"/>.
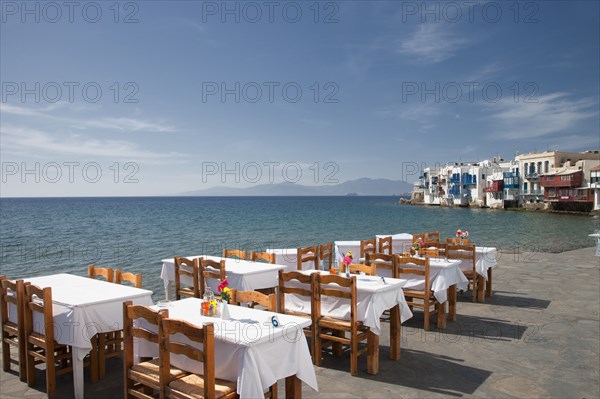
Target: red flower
<point x="223" y="284"/>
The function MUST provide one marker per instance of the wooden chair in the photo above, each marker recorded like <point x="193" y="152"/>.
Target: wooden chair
<point x="367" y="247"/>
<point x="429" y="252"/>
<point x="190" y="268"/>
<point x="418" y="237"/>
<point x="306" y="290"/>
<point x="326" y="253"/>
<point x="105" y="272"/>
<point x="467" y="255"/>
<point x="211" y="269"/>
<point x="440" y="246"/>
<point x="357" y="268"/>
<point x="330" y="329"/>
<point x="110" y="344"/>
<point x="269" y="302"/>
<point x="457" y="241"/>
<point x="263" y="256"/>
<point x="41" y="347"/>
<point x="409" y="267"/>
<point x="235" y="253"/>
<point x="307" y="254"/>
<point x="433" y="236"/>
<point x="382" y="261"/>
<point x="191" y="386"/>
<point x="13" y="332"/>
<point x="133" y="279"/>
<point x="142" y="378"/>
<point x="385" y="244"/>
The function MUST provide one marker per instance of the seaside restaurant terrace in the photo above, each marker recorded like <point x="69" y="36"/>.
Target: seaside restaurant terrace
<point x="316" y="321"/>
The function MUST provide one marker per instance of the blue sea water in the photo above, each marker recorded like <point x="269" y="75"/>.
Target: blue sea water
<point x="49" y="235"/>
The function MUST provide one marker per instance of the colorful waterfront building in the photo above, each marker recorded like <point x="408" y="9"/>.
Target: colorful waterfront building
<point x="595" y="186"/>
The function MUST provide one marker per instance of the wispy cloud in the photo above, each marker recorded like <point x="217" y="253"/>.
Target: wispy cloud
<point x="553" y="113"/>
<point x="433" y="43"/>
<point x="120" y="124"/>
<point x="27" y="141"/>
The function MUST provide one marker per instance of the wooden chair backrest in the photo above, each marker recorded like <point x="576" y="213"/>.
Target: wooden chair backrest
<point x="463" y="252"/>
<point x="263" y="256"/>
<point x="211" y="269"/>
<point x="418" y="237"/>
<point x="307" y="280"/>
<point x="11" y="292"/>
<point x="356" y="268"/>
<point x="385" y="244"/>
<point x="415" y="266"/>
<point x="105" y="272"/>
<point x="204" y="335"/>
<point x="441" y="246"/>
<point x="326" y="252"/>
<point x="307" y="254"/>
<point x="190" y="268"/>
<point x="41" y="304"/>
<point x="457" y="241"/>
<point x="429" y="252"/>
<point x="432" y="236"/>
<point x="235" y="253"/>
<point x="368" y="247"/>
<point x="134" y="279"/>
<point x="269" y="302"/>
<point x="345" y="289"/>
<point x="382" y="261"/>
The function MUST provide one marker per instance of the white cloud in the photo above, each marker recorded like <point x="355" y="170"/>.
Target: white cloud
<point x="553" y="113"/>
<point x="432" y="43"/>
<point x="120" y="124"/>
<point x="27" y="141"/>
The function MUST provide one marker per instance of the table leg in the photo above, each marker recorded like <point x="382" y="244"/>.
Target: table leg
<point x="168" y="290"/>
<point x="480" y="288"/>
<point x="78" y="355"/>
<point x="372" y="353"/>
<point x="441" y="316"/>
<point x="395" y="333"/>
<point x="293" y="387"/>
<point x="452" y="302"/>
<point x="488" y="284"/>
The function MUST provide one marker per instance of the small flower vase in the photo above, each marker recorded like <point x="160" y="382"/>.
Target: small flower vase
<point x="225" y="310"/>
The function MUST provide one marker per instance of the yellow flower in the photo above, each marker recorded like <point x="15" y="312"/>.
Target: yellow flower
<point x="226" y="290"/>
<point x="213" y="304"/>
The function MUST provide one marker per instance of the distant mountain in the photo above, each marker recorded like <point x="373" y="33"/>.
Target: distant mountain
<point x="363" y="186"/>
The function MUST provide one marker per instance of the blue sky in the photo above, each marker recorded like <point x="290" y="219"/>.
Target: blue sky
<point x="385" y="85"/>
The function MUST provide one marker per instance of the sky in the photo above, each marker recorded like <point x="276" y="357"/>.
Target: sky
<point x="109" y="98"/>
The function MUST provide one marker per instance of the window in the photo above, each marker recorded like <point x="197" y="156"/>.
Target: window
<point x="539" y="167"/>
<point x="524" y="187"/>
<point x="546" y="166"/>
<point x="525" y="167"/>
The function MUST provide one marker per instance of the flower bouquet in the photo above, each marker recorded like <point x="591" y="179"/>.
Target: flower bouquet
<point x="461" y="235"/>
<point x="417" y="246"/>
<point x="347" y="261"/>
<point x="225" y="291"/>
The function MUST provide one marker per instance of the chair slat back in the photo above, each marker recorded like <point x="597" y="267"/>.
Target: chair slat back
<point x="262" y="256"/>
<point x="415" y="266"/>
<point x="254" y="297"/>
<point x="463" y="252"/>
<point x="368" y="247"/>
<point x="385" y="245"/>
<point x="346" y="289"/>
<point x="326" y="253"/>
<point x="190" y="268"/>
<point x="235" y="253"/>
<point x="458" y="241"/>
<point x="105" y="272"/>
<point x="211" y="269"/>
<point x="133" y="279"/>
<point x="430" y="252"/>
<point x="418" y="237"/>
<point x="39" y="300"/>
<point x="382" y="261"/>
<point x="304" y="279"/>
<point x="11" y="292"/>
<point x="307" y="254"/>
<point x="357" y="268"/>
<point x="204" y="335"/>
<point x="432" y="236"/>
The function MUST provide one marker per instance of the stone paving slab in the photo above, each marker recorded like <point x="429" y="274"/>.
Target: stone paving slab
<point x="539" y="336"/>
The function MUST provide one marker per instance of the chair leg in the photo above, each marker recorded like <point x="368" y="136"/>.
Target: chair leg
<point x="6" y="356"/>
<point x="317" y="347"/>
<point x="441" y="315"/>
<point x="353" y="355"/>
<point x="101" y="355"/>
<point x="488" y="284"/>
<point x="273" y="391"/>
<point x="426" y="315"/>
<point x="50" y="374"/>
<point x="30" y="366"/>
<point x="94" y="360"/>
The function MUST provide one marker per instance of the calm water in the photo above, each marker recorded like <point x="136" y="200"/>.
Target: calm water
<point x="50" y="235"/>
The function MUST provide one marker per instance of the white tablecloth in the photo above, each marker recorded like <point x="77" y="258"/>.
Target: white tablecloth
<point x="289" y="257"/>
<point x="401" y="242"/>
<point x="243" y="275"/>
<point x="597" y="236"/>
<point x="83" y="307"/>
<point x="373" y="298"/>
<point x="248" y="349"/>
<point x="485" y="258"/>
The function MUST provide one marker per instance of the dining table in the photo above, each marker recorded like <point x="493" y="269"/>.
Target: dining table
<point x="249" y="348"/>
<point x="83" y="307"/>
<point x="243" y="275"/>
<point x="374" y="296"/>
<point x="289" y="258"/>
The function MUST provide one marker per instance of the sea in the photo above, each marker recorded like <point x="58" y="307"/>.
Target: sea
<point x="40" y="236"/>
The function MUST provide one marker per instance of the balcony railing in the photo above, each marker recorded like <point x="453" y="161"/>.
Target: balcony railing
<point x="532" y="176"/>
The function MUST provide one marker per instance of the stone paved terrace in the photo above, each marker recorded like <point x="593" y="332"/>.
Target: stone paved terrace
<point x="537" y="337"/>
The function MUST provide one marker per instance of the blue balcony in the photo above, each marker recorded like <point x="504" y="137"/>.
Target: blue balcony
<point x="511" y="180"/>
<point x="455" y="178"/>
<point x="454" y="190"/>
<point x="469" y="178"/>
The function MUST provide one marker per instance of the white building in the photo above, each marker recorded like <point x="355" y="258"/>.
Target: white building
<point x="595" y="186"/>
